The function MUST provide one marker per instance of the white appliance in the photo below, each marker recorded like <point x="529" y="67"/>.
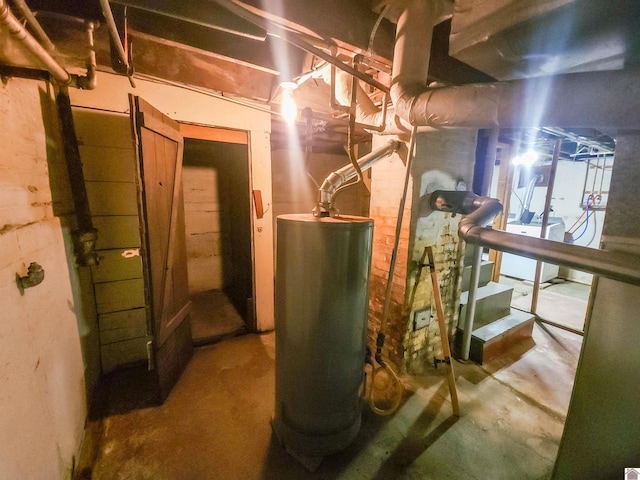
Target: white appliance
<point x="525" y="268"/>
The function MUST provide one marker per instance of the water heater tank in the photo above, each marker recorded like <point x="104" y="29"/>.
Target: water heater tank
<point x="322" y="277"/>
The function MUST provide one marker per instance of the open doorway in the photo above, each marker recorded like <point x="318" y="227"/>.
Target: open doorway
<point x="218" y="238"/>
<point x="576" y="211"/>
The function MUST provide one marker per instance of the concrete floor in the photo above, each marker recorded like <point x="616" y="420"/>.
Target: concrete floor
<point x="213" y="317"/>
<point x="215" y="423"/>
<point x="562" y="302"/>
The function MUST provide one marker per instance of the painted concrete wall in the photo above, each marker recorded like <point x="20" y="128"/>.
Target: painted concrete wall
<point x="42" y="378"/>
<point x="190" y="106"/>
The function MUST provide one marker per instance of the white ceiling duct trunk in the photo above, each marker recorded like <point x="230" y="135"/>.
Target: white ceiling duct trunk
<point x="603" y="100"/>
<point x="411" y="55"/>
<point x="594" y="99"/>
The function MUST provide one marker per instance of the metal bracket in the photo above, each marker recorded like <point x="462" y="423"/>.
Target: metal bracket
<point x="437" y="361"/>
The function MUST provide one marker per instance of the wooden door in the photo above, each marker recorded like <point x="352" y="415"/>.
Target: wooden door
<point x="160" y="147"/>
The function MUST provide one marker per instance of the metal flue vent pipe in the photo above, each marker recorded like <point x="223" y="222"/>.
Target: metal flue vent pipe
<point x="338" y="179"/>
<point x="623" y="267"/>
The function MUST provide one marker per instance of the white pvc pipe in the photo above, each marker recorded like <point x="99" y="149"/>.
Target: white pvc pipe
<point x="17" y="31"/>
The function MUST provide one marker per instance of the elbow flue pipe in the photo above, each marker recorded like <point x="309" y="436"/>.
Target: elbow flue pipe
<point x="336" y="180"/>
<point x="619" y="266"/>
<point x="478" y="210"/>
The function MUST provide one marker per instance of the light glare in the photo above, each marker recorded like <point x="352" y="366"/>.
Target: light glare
<point x="527" y="158"/>
<point x="289" y="109"/>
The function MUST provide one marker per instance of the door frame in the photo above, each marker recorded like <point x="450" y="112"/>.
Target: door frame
<point x="240" y="137"/>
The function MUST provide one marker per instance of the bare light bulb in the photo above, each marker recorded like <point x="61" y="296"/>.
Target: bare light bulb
<point x="289" y="109"/>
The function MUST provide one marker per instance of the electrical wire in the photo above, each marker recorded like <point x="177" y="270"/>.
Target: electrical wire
<point x="590" y="200"/>
<point x="518" y="197"/>
<point x="595" y="228"/>
<point x="396" y="388"/>
<point x="581" y="215"/>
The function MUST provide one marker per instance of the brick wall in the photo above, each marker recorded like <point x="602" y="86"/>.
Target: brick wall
<point x="387" y="183"/>
<point x="442" y="160"/>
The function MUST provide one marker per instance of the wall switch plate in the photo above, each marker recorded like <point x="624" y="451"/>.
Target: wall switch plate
<point x="421" y="318"/>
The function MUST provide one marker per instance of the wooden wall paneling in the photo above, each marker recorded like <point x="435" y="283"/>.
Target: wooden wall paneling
<point x="123" y="325"/>
<point x="122" y="295"/>
<point x="118" y="354"/>
<point x="117" y="232"/>
<point x="105" y="164"/>
<point x="120" y="264"/>
<point x="112" y="198"/>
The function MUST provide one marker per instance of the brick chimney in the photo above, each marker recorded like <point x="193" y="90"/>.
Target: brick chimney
<point x="444" y="160"/>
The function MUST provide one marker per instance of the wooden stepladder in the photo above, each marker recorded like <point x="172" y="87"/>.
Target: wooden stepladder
<point x="444" y="336"/>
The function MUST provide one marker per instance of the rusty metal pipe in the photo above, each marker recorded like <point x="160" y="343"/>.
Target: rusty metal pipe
<point x="113" y="31"/>
<point x="85" y="234"/>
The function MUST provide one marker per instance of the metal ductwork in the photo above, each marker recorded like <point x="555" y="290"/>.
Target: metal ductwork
<point x="603" y="99"/>
<point x="480" y="211"/>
